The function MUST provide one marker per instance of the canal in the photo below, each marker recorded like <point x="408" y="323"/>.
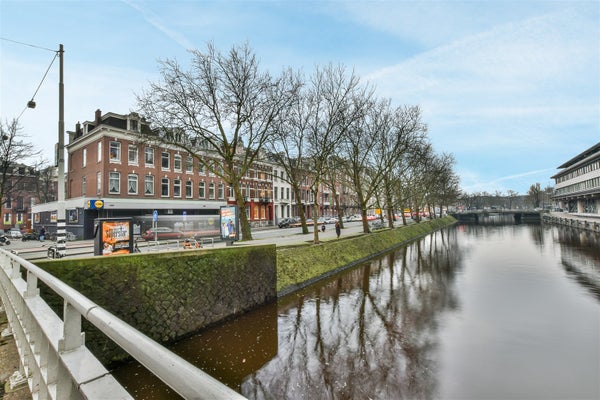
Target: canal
<point x="493" y="310"/>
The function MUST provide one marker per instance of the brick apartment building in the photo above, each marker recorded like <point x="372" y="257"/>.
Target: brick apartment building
<point x="24" y="187"/>
<point x="112" y="173"/>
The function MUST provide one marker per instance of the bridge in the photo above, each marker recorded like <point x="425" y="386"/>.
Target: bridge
<point x="518" y="215"/>
<point x="54" y="360"/>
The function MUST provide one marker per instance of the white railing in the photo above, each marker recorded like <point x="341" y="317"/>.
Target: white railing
<point x="53" y="355"/>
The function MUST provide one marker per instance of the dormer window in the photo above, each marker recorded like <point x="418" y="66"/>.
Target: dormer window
<point x="133" y="125"/>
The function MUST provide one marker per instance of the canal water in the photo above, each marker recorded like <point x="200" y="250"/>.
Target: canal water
<point x="492" y="310"/>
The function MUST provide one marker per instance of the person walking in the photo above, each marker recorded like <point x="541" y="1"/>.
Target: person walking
<point x="338" y="229"/>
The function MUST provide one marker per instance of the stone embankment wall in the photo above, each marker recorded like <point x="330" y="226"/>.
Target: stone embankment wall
<point x="171" y="295"/>
<point x="585" y="223"/>
<point x="300" y="266"/>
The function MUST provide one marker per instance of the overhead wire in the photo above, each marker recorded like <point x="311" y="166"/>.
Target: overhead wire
<point x="42" y="81"/>
<point x="45" y="74"/>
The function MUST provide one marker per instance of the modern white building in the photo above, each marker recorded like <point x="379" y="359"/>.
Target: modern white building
<point x="577" y="185"/>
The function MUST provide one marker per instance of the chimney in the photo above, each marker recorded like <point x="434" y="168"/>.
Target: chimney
<point x="97" y="119"/>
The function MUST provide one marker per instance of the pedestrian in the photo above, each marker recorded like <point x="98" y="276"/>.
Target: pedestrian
<point x="42" y="234"/>
<point x="338" y="229"/>
<point x="323" y="227"/>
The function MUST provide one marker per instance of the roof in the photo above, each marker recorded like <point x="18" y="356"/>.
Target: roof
<point x="594" y="150"/>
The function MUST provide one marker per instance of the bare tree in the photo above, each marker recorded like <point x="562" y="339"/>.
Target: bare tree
<point x="46" y="183"/>
<point x="14" y="150"/>
<point x="305" y="140"/>
<point x="511" y="194"/>
<point x="534" y="195"/>
<point x="406" y="137"/>
<point x="443" y="182"/>
<point x="334" y="100"/>
<point x="222" y="108"/>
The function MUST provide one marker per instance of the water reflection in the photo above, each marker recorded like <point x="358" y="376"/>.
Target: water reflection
<point x="228" y="352"/>
<point x="369" y="333"/>
<point x="580" y="256"/>
<point x="476" y="311"/>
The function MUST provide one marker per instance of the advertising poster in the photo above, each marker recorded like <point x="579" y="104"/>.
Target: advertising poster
<point x="229" y="222"/>
<point x="114" y="237"/>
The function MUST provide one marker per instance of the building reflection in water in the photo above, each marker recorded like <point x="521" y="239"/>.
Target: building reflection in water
<point x="580" y="256"/>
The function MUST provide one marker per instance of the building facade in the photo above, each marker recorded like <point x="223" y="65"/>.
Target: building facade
<point x="113" y="173"/>
<point x="577" y="185"/>
<point x="23" y="188"/>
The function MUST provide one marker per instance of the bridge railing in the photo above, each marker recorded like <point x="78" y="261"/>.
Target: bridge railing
<point x="53" y="355"/>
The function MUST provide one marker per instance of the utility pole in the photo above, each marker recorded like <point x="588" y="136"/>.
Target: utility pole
<point x="61" y="245"/>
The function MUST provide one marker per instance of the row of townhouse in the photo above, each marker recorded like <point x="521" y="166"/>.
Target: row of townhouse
<point x="113" y="174"/>
<point x="18" y="195"/>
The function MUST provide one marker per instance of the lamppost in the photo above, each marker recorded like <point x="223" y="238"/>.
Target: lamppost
<point x="61" y="247"/>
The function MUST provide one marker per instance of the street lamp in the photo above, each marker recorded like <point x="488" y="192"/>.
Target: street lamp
<point x="61" y="246"/>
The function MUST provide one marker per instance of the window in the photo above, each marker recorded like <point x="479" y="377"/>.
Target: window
<point x="177" y="162"/>
<point x="149" y="185"/>
<point x="211" y="191"/>
<point x="188" y="189"/>
<point x="6" y="218"/>
<point x="8" y="203"/>
<point x="132" y="184"/>
<point x="99" y="151"/>
<point x="84" y="158"/>
<point x="114" y="182"/>
<point x="189" y="164"/>
<point x="115" y="151"/>
<point x="221" y="191"/>
<point x="201" y="170"/>
<point x="149" y="156"/>
<point x="164" y="187"/>
<point x="132" y="154"/>
<point x="201" y="190"/>
<point x="133" y="125"/>
<point x="165" y="160"/>
<point x="83" y="186"/>
<point x="98" y="183"/>
<point x="176" y="187"/>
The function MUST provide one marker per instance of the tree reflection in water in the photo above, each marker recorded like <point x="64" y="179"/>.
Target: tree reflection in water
<point x="368" y="333"/>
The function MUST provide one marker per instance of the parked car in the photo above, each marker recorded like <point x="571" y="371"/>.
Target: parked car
<point x="162" y="233"/>
<point x="286" y="222"/>
<point x="15" y="234"/>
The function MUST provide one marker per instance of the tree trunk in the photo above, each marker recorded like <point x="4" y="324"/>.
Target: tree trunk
<point x="301" y="212"/>
<point x="239" y="199"/>
<point x="315" y="218"/>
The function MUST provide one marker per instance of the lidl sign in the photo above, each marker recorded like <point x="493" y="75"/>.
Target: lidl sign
<point x="95" y="204"/>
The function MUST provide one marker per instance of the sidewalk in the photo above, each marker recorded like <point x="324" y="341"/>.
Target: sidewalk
<point x="9" y="363"/>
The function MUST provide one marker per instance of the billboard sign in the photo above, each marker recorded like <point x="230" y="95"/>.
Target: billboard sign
<point x="229" y="223"/>
<point x="113" y="236"/>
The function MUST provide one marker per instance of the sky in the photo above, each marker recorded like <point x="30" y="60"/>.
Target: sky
<point x="510" y="88"/>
